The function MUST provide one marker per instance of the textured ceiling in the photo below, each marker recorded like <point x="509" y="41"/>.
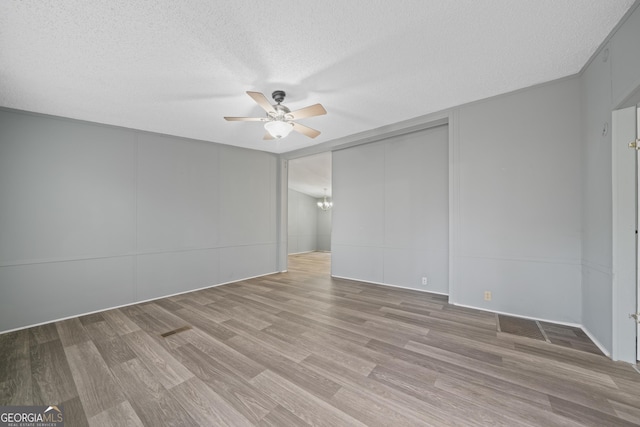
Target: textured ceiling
<point x="178" y="67"/>
<point x="311" y="175"/>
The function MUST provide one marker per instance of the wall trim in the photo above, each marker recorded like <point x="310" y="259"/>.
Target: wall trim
<point x="426" y="291"/>
<point x="19" y="263"/>
<point x="417" y="124"/>
<point x="604" y="269"/>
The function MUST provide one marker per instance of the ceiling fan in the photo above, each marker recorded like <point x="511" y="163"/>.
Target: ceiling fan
<point x="279" y="121"/>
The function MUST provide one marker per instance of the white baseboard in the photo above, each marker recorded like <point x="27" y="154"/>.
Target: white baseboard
<point x="596" y="342"/>
<point x="427" y="291"/>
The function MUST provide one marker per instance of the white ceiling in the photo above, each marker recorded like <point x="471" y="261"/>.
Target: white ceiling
<point x="311" y="175"/>
<point x="178" y="67"/>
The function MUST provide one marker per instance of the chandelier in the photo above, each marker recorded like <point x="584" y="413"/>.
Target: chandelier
<point x="324" y="204"/>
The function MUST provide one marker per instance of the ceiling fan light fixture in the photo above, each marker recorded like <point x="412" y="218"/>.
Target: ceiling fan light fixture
<point x="280" y="120"/>
<point x="278" y="129"/>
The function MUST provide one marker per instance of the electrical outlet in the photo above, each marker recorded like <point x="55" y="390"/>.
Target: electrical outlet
<point x="487" y="295"/>
<point x="424" y="280"/>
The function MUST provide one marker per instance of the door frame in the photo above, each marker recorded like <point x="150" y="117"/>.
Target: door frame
<point x="624" y="251"/>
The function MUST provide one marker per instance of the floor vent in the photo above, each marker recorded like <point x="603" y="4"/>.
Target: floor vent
<point x="521" y="327"/>
<point x="175" y="331"/>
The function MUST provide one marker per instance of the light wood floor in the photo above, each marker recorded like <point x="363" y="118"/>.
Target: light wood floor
<point x="301" y="348"/>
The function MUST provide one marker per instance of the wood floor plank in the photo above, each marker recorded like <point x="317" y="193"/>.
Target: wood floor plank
<point x="627" y="412"/>
<point x="100" y="331"/>
<point x="205" y="406"/>
<point x="97" y="388"/>
<point x="315" y="325"/>
<point x="585" y="414"/>
<point x="15" y="370"/>
<point x="74" y="413"/>
<point x="91" y="318"/>
<point x="367" y="320"/>
<point x="370" y="331"/>
<point x="323" y="348"/>
<point x="455" y="365"/>
<point x="237" y="362"/>
<point x="205" y="323"/>
<point x="244" y="397"/>
<point x="280" y="417"/>
<point x="516" y="391"/>
<point x="406" y="403"/>
<point x="248" y="316"/>
<point x="303" y="348"/>
<point x="152" y="325"/>
<point x="293" y="352"/>
<point x="286" y="368"/>
<point x="459" y="348"/>
<point x="203" y="296"/>
<point x="114" y="351"/>
<point x="246" y="302"/>
<point x="52" y="380"/>
<point x="356" y="349"/>
<point x="157" y="359"/>
<point x="71" y="332"/>
<point x="522" y="411"/>
<point x="206" y="311"/>
<point x="121" y="415"/>
<point x="119" y="322"/>
<point x="43" y="333"/>
<point x="136" y="380"/>
<point x="445" y="402"/>
<point x="301" y="403"/>
<point x="168" y="320"/>
<point x="561" y="371"/>
<point x="162" y="410"/>
<point x="371" y="410"/>
<point x="168" y="304"/>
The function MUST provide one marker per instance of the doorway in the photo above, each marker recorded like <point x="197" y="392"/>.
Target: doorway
<point x="637" y="313"/>
<point x="309" y="205"/>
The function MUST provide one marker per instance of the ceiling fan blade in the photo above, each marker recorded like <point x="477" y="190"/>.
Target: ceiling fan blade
<point x="310" y="111"/>
<point x="262" y="101"/>
<point x="246" y="119"/>
<point x="305" y="130"/>
<point x="267" y="136"/>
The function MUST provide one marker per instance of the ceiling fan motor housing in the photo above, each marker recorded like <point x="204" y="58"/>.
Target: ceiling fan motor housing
<point x="278" y="96"/>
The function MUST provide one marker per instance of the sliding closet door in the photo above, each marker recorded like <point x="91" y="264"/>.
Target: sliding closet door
<point x="390" y="215"/>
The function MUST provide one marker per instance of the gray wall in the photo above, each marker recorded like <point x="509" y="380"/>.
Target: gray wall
<point x="390" y="214"/>
<point x="93" y="217"/>
<point x="302" y="225"/>
<point x="531" y="200"/>
<point x="517" y="200"/>
<point x="516" y="196"/>
<point x="610" y="78"/>
<point x="323" y="229"/>
<point x="309" y="228"/>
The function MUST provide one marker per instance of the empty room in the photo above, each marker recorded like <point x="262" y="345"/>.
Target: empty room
<point x="319" y="213"/>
